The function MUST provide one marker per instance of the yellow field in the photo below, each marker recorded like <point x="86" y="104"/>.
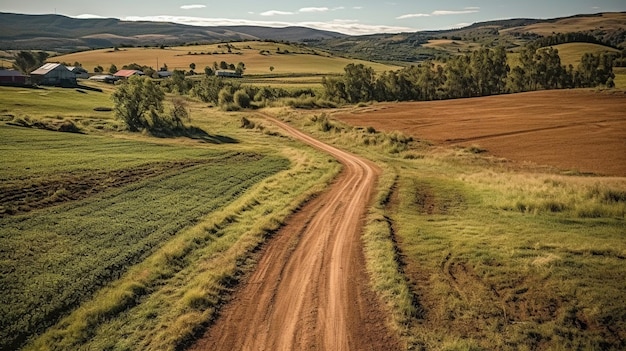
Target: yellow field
<point x="571" y="53"/>
<point x="452" y="46"/>
<point x="578" y="24"/>
<point x="298" y="60"/>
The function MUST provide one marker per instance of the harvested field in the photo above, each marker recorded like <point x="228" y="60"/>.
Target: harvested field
<point x="573" y="130"/>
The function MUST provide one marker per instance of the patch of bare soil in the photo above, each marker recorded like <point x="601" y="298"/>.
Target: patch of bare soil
<point x="310" y="289"/>
<point x="576" y="130"/>
<point x="31" y="194"/>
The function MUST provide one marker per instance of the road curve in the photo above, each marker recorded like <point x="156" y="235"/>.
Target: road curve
<point x="310" y="289"/>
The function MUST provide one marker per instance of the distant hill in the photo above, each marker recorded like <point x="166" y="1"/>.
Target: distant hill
<point x="61" y="33"/>
<point x="65" y="34"/>
<point x="608" y="28"/>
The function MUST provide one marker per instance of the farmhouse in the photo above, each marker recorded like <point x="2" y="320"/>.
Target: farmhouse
<point x="12" y="77"/>
<point x="227" y="73"/>
<point x="127" y="73"/>
<point x="53" y="74"/>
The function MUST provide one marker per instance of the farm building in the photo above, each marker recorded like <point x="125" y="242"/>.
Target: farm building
<point x="227" y="73"/>
<point x="12" y="77"/>
<point x="164" y="74"/>
<point x="53" y="74"/>
<point x="79" y="72"/>
<point x="127" y="73"/>
<point x="107" y="78"/>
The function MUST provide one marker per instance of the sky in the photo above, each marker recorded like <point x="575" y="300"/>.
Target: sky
<point x="353" y="17"/>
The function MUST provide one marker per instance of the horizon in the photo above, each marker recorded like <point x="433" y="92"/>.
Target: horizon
<point x="349" y="17"/>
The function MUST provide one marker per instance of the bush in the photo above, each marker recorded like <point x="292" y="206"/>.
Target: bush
<point x="241" y="99"/>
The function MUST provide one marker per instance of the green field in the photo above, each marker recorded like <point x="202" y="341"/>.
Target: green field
<point x="100" y="227"/>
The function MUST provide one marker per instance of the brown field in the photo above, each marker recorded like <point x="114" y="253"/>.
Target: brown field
<point x="607" y="21"/>
<point x="573" y="130"/>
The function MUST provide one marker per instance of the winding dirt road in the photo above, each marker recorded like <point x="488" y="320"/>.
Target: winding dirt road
<point x="310" y="289"/>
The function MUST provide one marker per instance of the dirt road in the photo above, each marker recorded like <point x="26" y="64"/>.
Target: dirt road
<point x="309" y="291"/>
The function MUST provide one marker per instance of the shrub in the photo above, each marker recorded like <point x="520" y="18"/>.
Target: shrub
<point x="241" y="99"/>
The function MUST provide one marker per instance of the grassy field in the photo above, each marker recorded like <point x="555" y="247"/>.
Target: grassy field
<point x="157" y="223"/>
<point x="488" y="257"/>
<point x="289" y="60"/>
<point x="571" y="53"/>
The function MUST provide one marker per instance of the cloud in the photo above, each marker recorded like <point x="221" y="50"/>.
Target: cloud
<point x="413" y="15"/>
<point x="467" y="10"/>
<point x="192" y="7"/>
<point x="314" y="9"/>
<point x="446" y="12"/>
<point x="350" y="27"/>
<point x="358" y="8"/>
<point x="88" y="16"/>
<point x="276" y="13"/>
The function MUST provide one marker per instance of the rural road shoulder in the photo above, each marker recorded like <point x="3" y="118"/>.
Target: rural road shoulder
<point x="310" y="289"/>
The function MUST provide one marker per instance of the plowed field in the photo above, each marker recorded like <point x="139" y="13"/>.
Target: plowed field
<point x="577" y="130"/>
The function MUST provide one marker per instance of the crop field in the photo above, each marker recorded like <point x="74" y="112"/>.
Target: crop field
<point x="257" y="56"/>
<point x="490" y="256"/>
<point x="54" y="260"/>
<point x="94" y="225"/>
<point x="577" y="130"/>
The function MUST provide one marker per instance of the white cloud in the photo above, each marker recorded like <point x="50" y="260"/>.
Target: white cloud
<point x="358" y="8"/>
<point x="446" y="12"/>
<point x="275" y="13"/>
<point x="314" y="9"/>
<point x="413" y="15"/>
<point x="88" y="16"/>
<point x="350" y="27"/>
<point x="467" y="10"/>
<point x="192" y="7"/>
<point x="338" y="8"/>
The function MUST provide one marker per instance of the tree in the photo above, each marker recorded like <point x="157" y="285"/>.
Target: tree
<point x="98" y="69"/>
<point x="240" y="67"/>
<point x="179" y="114"/>
<point x="271" y="68"/>
<point x="134" y="98"/>
<point x="359" y="82"/>
<point x="192" y="66"/>
<point x="113" y="69"/>
<point x="241" y="98"/>
<point x="28" y="61"/>
<point x="208" y="71"/>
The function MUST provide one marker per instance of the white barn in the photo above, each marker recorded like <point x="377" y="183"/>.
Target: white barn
<point x="53" y="74"/>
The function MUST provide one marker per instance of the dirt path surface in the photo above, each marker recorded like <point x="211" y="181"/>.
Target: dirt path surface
<point x="310" y="289"/>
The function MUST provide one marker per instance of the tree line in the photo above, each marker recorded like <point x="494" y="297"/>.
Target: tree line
<point x="481" y="73"/>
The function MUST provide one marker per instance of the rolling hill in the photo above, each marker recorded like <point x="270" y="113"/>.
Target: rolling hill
<point x="61" y="33"/>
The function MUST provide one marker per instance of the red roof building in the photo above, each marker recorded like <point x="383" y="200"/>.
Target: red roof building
<point x="127" y="73"/>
